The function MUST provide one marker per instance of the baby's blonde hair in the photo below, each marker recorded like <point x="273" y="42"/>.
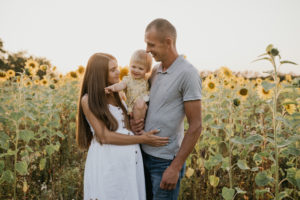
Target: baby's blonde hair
<point x="142" y="57"/>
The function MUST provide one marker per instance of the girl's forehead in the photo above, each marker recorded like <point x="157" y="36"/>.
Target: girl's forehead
<point x="137" y="63"/>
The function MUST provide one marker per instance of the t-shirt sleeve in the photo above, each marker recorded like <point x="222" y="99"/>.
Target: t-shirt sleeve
<point x="191" y="85"/>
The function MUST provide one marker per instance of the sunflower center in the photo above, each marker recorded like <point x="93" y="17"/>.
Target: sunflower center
<point x="244" y="92"/>
<point x="211" y="85"/>
<point x="265" y="92"/>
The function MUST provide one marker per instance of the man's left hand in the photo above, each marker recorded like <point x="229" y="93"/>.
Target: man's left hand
<point x="169" y="179"/>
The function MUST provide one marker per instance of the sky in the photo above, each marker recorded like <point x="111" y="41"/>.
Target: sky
<point x="211" y="33"/>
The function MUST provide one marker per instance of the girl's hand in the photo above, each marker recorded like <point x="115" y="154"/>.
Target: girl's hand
<point x="109" y="89"/>
<point x="154" y="140"/>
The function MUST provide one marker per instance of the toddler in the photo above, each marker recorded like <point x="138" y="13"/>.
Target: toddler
<point x="135" y="85"/>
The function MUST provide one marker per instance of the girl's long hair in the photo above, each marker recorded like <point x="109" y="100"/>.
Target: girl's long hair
<point x="94" y="81"/>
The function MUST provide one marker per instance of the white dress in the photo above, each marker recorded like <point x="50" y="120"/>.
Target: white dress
<point x="114" y="172"/>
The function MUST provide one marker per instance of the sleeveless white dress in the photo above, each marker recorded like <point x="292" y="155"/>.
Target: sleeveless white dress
<point x="114" y="172"/>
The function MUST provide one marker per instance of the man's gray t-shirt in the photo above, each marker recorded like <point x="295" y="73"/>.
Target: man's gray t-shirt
<point x="169" y="90"/>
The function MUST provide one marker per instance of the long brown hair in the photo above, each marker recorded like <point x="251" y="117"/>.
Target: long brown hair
<point x="94" y="81"/>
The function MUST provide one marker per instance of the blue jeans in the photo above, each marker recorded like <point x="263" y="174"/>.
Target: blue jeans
<point x="154" y="169"/>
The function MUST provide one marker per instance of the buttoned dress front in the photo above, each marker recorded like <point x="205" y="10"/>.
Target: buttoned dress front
<point x="114" y="172"/>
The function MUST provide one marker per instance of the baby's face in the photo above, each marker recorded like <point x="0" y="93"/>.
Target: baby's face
<point x="137" y="70"/>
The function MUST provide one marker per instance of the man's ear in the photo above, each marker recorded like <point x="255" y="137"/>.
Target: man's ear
<point x="169" y="41"/>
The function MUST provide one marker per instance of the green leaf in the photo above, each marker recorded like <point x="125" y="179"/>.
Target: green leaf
<point x="242" y="164"/>
<point x="282" y="195"/>
<point x="7" y="176"/>
<point x="240" y="191"/>
<point x="262" y="178"/>
<point x="217" y="126"/>
<point x="42" y="164"/>
<point x="50" y="149"/>
<point x="26" y="135"/>
<point x="297" y="178"/>
<point x="287" y="62"/>
<point x="17" y="115"/>
<point x="253" y="138"/>
<point x="264" y="58"/>
<point x="227" y="193"/>
<point x="207" y="117"/>
<point x="260" y="193"/>
<point x="4" y="138"/>
<point x="267" y="85"/>
<point x="21" y="167"/>
<point x="58" y="133"/>
<point x="1" y="166"/>
<point x="214" y="180"/>
<point x="237" y="140"/>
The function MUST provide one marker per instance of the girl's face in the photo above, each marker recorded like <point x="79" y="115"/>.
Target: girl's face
<point x="113" y="72"/>
<point x="137" y="70"/>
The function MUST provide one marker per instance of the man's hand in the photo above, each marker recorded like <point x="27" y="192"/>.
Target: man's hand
<point x="169" y="179"/>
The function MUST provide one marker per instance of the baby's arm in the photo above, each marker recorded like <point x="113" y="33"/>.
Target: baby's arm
<point x="115" y="87"/>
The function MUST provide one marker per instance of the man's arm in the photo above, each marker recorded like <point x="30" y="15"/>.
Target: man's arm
<point x="193" y="114"/>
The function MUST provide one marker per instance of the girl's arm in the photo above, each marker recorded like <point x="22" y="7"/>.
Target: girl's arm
<point x="105" y="136"/>
<point x="115" y="87"/>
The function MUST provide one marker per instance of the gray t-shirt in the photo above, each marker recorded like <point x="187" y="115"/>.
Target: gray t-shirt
<point x="169" y="90"/>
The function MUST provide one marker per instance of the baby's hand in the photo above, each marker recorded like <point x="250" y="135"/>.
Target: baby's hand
<point x="109" y="89"/>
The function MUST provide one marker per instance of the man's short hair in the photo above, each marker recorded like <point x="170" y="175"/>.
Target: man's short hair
<point x="164" y="27"/>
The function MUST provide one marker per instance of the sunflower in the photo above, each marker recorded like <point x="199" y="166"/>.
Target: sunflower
<point x="225" y="72"/>
<point x="264" y="94"/>
<point x="60" y="76"/>
<point x="241" y="80"/>
<point x="44" y="67"/>
<point x="123" y="72"/>
<point x="232" y="86"/>
<point x="54" y="80"/>
<point x="44" y="82"/>
<point x="259" y="81"/>
<point x="80" y="70"/>
<point x="27" y="83"/>
<point x="226" y="83"/>
<point x="211" y="85"/>
<point x="289" y="107"/>
<point x="32" y="64"/>
<point x="210" y="77"/>
<point x="73" y="75"/>
<point x="10" y="73"/>
<point x="243" y="92"/>
<point x="29" y="71"/>
<point x="36" y="82"/>
<point x="288" y="78"/>
<point x="3" y="76"/>
<point x="18" y="79"/>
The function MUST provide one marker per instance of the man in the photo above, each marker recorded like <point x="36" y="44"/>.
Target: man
<point x="175" y="93"/>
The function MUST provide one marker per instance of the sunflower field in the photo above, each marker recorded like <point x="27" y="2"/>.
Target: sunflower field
<point x="249" y="147"/>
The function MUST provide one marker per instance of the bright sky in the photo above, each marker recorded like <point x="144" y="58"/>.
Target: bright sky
<point x="211" y="33"/>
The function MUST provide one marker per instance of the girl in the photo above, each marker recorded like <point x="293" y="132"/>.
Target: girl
<point x="114" y="167"/>
<point x="136" y="84"/>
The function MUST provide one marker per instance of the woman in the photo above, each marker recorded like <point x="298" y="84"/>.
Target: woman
<point x="114" y="167"/>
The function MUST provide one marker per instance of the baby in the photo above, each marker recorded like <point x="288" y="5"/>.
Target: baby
<point x="136" y="84"/>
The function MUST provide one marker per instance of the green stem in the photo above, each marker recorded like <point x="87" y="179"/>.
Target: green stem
<point x="275" y="133"/>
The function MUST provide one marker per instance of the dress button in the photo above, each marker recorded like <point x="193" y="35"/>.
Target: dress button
<point x="135" y="151"/>
<point x="136" y="162"/>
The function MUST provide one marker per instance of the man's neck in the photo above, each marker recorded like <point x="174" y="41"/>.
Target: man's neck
<point x="169" y="61"/>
